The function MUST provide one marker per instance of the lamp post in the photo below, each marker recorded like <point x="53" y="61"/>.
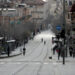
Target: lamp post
<point x="64" y="23"/>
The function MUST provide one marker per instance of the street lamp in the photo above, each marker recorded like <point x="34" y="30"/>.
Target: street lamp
<point x="63" y="32"/>
<point x="64" y="23"/>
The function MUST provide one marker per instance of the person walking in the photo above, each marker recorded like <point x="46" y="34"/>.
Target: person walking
<point x="24" y="51"/>
<point x="8" y="51"/>
<point x="44" y="42"/>
<point x="71" y="51"/>
<point x="54" y="48"/>
<point x="59" y="47"/>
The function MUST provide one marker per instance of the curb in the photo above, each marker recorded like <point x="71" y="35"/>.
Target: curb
<point x="10" y="56"/>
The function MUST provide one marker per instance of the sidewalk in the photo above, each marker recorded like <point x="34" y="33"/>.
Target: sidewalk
<point x="16" y="52"/>
<point x="68" y="59"/>
<point x="67" y="68"/>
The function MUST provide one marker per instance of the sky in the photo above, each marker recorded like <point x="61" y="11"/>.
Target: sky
<point x="45" y="0"/>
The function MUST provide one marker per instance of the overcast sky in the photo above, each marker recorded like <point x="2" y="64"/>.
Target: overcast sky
<point x="44" y="0"/>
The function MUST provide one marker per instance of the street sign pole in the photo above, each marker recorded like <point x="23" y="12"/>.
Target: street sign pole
<point x="58" y="27"/>
<point x="64" y="23"/>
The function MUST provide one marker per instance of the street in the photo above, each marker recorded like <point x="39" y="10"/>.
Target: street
<point x="36" y="61"/>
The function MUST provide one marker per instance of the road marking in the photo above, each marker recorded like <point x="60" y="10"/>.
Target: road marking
<point x="14" y="63"/>
<point x="54" y="63"/>
<point x="46" y="63"/>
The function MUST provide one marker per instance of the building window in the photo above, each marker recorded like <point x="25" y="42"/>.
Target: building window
<point x="41" y="12"/>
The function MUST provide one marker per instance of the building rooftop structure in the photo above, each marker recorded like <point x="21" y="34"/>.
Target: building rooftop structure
<point x="34" y="2"/>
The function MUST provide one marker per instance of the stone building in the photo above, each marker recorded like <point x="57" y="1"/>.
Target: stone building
<point x="39" y="11"/>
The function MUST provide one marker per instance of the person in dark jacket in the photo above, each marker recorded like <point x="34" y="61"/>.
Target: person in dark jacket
<point x="70" y="51"/>
<point x="54" y="48"/>
<point x="24" y="51"/>
<point x="8" y="51"/>
<point x="44" y="42"/>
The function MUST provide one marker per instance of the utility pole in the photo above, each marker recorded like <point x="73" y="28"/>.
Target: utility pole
<point x="14" y="25"/>
<point x="36" y="18"/>
<point x="9" y="28"/>
<point x="64" y="24"/>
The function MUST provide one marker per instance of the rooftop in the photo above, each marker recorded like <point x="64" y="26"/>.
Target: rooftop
<point x="34" y="2"/>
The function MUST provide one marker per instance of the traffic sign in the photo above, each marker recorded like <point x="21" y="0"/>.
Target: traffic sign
<point x="58" y="27"/>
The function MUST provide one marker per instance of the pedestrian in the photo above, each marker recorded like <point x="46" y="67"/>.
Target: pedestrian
<point x="70" y="52"/>
<point x="59" y="49"/>
<point x="44" y="42"/>
<point x="73" y="53"/>
<point x="54" y="48"/>
<point x="8" y="51"/>
<point x="24" y="51"/>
